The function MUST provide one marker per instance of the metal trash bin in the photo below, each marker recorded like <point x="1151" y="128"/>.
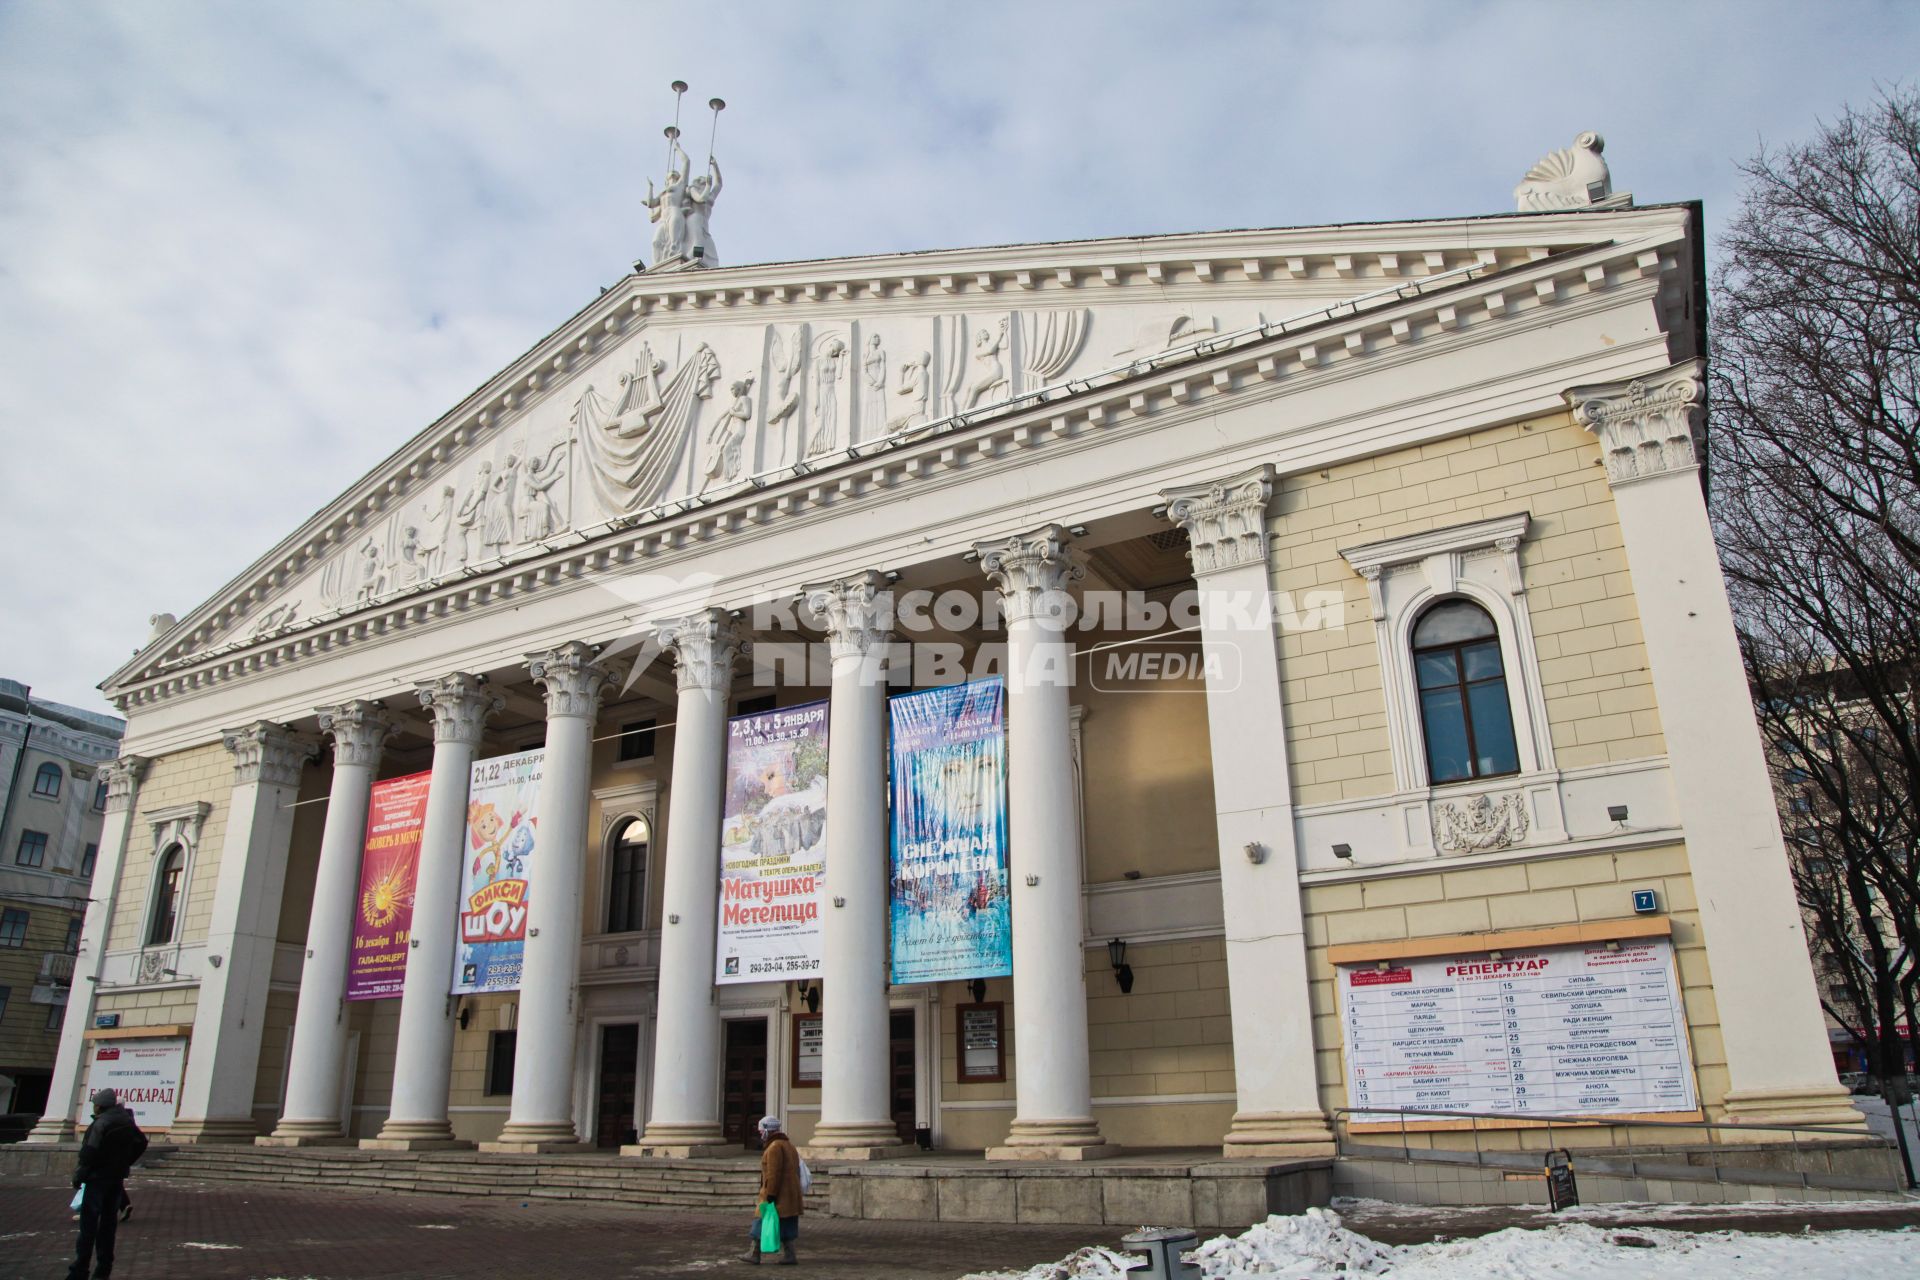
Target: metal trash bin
<point x="1162" y="1247"/>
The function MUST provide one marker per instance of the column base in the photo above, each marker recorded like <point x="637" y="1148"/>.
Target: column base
<point x="209" y="1132"/>
<point x="535" y="1139"/>
<point x="1284" y="1135"/>
<point x="54" y="1128"/>
<point x="415" y="1135"/>
<point x="857" y="1140"/>
<point x="1054" y="1140"/>
<point x="280" y="1138"/>
<point x="1820" y="1105"/>
<point x="682" y="1142"/>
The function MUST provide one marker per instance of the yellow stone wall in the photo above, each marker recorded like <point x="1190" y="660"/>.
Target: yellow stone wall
<point x="198" y="774"/>
<point x="1593" y="664"/>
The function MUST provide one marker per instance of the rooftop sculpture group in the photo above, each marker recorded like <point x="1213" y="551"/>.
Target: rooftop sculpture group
<point x="682" y="208"/>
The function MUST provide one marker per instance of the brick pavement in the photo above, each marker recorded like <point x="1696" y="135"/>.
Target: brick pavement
<point x="336" y="1235"/>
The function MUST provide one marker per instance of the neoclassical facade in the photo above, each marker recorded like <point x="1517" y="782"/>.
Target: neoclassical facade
<point x="1356" y="600"/>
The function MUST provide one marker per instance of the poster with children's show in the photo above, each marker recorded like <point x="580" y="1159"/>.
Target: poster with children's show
<point x="773" y="832"/>
<point x="951" y="915"/>
<point x="502" y="840"/>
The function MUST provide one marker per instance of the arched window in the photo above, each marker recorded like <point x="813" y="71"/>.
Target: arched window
<point x="166" y="896"/>
<point x="46" y="781"/>
<point x="627" y="885"/>
<point x="1464" y="714"/>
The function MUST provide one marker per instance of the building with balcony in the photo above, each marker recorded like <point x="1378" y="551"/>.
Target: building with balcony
<point x="52" y="806"/>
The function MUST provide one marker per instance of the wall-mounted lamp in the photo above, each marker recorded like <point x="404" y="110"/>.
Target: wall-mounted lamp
<point x="1032" y="881"/>
<point x="1496" y="955"/>
<point x="809" y="995"/>
<point x="1617" y="812"/>
<point x="1129" y="875"/>
<point x="1383" y="965"/>
<point x="214" y="961"/>
<point x="465" y="1015"/>
<point x="533" y="933"/>
<point x="1343" y="851"/>
<point x="1122" y="971"/>
<point x="673" y="918"/>
<point x="1256" y="852"/>
<point x="977" y="989"/>
<point x="1613" y="946"/>
<point x="839" y="901"/>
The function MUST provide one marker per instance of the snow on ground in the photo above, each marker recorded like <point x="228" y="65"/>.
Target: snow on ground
<point x="1315" y="1246"/>
<point x="1617" y="1212"/>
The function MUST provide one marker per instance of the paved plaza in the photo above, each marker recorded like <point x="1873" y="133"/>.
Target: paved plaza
<point x="228" y="1231"/>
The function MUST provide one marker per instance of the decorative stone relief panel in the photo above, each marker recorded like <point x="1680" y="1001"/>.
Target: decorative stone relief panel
<point x="1479" y="824"/>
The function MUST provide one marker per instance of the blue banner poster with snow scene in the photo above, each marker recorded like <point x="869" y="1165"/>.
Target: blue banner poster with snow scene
<point x="951" y="914"/>
<point x="501" y="840"/>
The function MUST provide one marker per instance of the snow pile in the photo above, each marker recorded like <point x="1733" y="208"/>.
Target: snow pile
<point x="1314" y="1246"/>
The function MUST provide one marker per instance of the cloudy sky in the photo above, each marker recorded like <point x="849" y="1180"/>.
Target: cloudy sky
<point x="247" y="249"/>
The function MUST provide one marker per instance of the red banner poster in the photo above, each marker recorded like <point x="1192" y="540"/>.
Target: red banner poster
<point x="383" y="914"/>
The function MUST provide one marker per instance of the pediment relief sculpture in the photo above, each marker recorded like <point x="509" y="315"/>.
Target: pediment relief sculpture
<point x="1480" y="824"/>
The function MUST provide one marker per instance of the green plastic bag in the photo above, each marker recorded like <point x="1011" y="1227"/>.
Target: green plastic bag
<point x="769" y="1228"/>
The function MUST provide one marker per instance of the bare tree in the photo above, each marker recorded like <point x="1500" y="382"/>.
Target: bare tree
<point x="1816" y="494"/>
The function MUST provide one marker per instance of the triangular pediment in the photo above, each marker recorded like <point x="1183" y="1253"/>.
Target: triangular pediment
<point x="676" y="388"/>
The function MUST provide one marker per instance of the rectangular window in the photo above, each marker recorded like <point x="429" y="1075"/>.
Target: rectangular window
<point x="88" y="858"/>
<point x="636" y="740"/>
<point x="73" y="934"/>
<point x="13" y="928"/>
<point x="55" y="1012"/>
<point x="33" y="849"/>
<point x="100" y="795"/>
<point x="500" y="1047"/>
<point x="6" y="994"/>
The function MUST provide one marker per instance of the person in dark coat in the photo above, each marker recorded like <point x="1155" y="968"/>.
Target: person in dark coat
<point x="780" y="1186"/>
<point x="111" y="1145"/>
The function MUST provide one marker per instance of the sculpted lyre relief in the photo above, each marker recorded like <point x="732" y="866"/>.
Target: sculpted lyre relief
<point x="637" y="445"/>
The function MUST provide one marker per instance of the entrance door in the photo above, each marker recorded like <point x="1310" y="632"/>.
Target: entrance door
<point x="619" y="1078"/>
<point x="744" y="1095"/>
<point x="901" y="1073"/>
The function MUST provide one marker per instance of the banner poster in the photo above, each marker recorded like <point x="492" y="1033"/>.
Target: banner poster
<point x="772" y="845"/>
<point x="146" y="1075"/>
<point x="502" y="834"/>
<point x="389" y="862"/>
<point x="951" y="916"/>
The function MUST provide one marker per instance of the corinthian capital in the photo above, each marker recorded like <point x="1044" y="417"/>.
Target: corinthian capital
<point x="359" y="731"/>
<point x="460" y="704"/>
<point x="1649" y="426"/>
<point x="704" y="646"/>
<point x="269" y="753"/>
<point x="857" y="613"/>
<point x="572" y="679"/>
<point x="1032" y="571"/>
<point x="1225" y="520"/>
<point x="123" y="778"/>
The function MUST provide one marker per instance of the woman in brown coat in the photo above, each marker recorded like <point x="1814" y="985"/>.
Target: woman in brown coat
<point x="779" y="1185"/>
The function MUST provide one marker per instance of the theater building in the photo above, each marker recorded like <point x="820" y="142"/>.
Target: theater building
<point x="1374" y="730"/>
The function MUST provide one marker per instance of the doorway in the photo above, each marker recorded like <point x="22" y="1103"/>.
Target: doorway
<point x="619" y="1079"/>
<point x="744" y="1087"/>
<point x="901" y="1072"/>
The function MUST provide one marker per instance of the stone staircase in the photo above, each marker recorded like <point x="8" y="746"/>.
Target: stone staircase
<point x="713" y="1186"/>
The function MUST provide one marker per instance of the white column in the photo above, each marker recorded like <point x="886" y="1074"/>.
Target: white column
<point x="1053" y="1118"/>
<point x="417" y="1117"/>
<point x="318" y="1051"/>
<point x="856" y="1120"/>
<point x="1776" y="1041"/>
<point x="123" y="778"/>
<point x="542" y="1117"/>
<point x="685" y="1117"/>
<point x="216" y="1093"/>
<point x="1278" y="1099"/>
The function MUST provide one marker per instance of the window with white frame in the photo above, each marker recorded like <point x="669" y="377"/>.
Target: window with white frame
<point x="1459" y="671"/>
<point x="166" y="895"/>
<point x="46" y="781"/>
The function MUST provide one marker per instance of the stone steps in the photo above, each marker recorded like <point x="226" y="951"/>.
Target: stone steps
<point x="705" y="1186"/>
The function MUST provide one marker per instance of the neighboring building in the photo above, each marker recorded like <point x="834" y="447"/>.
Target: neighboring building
<point x="1468" y="725"/>
<point x="53" y="802"/>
